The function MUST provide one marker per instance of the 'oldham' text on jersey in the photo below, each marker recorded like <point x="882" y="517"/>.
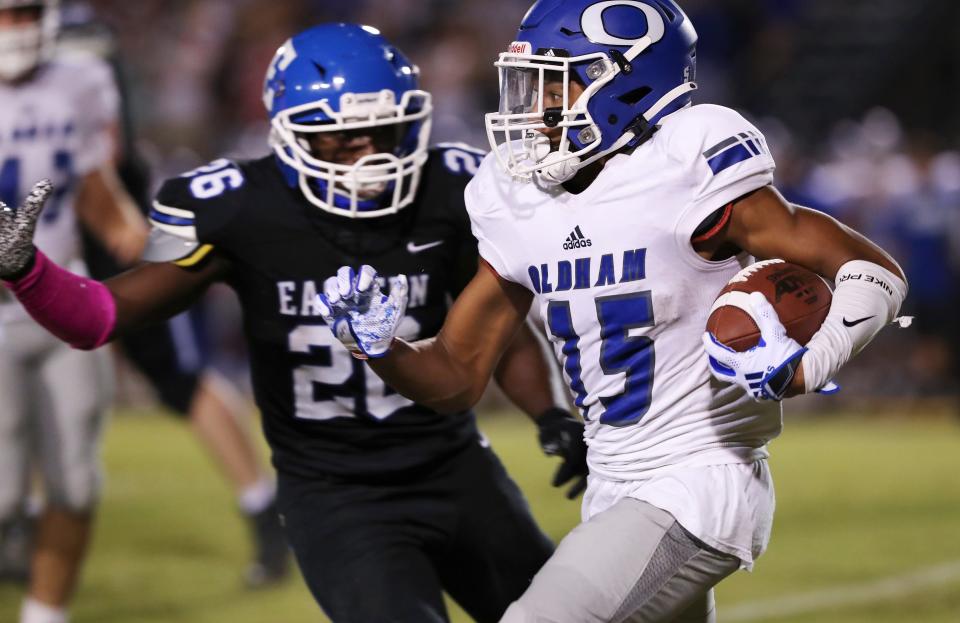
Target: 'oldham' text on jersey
<point x="588" y="272"/>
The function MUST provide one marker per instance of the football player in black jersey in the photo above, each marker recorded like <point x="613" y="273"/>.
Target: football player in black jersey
<point x="385" y="502"/>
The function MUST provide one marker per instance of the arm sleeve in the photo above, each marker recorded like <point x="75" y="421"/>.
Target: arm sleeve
<point x="78" y="310"/>
<point x="867" y="298"/>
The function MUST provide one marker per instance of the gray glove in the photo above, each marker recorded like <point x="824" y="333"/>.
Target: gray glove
<point x="16" y="231"/>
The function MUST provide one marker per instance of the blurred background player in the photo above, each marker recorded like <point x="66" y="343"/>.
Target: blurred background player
<point x="174" y="356"/>
<point x="386" y="503"/>
<point x="56" y="121"/>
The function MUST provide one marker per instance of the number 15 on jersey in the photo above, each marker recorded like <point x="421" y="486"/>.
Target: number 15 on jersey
<point x="620" y="353"/>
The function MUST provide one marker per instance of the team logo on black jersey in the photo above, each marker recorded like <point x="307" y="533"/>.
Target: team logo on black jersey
<point x="576" y="240"/>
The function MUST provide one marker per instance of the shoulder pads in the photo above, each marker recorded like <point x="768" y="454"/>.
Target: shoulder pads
<point x="196" y="204"/>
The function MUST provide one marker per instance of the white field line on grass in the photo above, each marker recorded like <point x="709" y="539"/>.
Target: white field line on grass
<point x="849" y="595"/>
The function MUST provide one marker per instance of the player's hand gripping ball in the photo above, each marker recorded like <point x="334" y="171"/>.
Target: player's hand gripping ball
<point x="759" y="324"/>
<point x="361" y="316"/>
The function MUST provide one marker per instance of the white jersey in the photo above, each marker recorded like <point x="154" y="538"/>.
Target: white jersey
<point x="624" y="296"/>
<point x="56" y="125"/>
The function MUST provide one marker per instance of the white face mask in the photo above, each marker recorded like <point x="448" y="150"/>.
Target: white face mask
<point x="22" y="49"/>
<point x="515" y="131"/>
<point x="346" y="185"/>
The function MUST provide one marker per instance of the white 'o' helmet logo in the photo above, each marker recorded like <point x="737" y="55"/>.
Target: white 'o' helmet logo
<point x="591" y="23"/>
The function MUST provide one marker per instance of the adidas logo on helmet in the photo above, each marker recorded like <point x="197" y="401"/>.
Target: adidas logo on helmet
<point x="576" y="240"/>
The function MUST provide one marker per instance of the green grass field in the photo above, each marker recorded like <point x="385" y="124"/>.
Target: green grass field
<point x="867" y="528"/>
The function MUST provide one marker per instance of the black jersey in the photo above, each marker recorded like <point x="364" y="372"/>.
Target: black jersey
<point x="324" y="413"/>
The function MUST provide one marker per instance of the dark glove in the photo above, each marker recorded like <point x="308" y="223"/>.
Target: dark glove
<point x="561" y="435"/>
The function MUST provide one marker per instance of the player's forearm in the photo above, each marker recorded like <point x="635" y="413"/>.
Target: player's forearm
<point x="86" y="313"/>
<point x="105" y="209"/>
<point x="525" y="375"/>
<point x="425" y="372"/>
<point x="153" y="292"/>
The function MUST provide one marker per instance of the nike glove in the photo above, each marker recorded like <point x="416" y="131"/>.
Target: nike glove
<point x="363" y="318"/>
<point x="766" y="370"/>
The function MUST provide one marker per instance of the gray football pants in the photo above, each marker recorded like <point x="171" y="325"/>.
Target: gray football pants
<point x="632" y="563"/>
<point x="53" y="401"/>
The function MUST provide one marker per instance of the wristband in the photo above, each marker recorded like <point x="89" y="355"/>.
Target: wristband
<point x="866" y="299"/>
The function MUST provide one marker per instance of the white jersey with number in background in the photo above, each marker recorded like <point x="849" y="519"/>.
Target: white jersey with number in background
<point x="57" y="124"/>
<point x="625" y="298"/>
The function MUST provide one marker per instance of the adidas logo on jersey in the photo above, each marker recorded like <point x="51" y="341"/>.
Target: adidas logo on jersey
<point x="576" y="240"/>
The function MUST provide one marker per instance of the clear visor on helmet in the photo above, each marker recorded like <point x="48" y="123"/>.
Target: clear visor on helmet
<point x="541" y="101"/>
<point x="519" y="89"/>
<point x="361" y="161"/>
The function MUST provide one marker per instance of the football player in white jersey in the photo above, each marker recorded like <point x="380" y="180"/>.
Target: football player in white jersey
<point x="620" y="209"/>
<point x="174" y="356"/>
<point x="55" y="121"/>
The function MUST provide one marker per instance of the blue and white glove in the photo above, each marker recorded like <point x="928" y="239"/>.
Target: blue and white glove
<point x="363" y="318"/>
<point x="766" y="370"/>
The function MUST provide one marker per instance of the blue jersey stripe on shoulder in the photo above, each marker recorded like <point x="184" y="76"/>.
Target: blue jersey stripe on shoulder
<point x="166" y="219"/>
<point x="751" y="144"/>
<point x="730" y="157"/>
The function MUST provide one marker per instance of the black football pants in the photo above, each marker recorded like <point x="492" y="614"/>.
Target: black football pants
<point x="378" y="553"/>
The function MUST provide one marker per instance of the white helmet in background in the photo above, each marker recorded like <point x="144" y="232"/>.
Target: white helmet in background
<point x="26" y="44"/>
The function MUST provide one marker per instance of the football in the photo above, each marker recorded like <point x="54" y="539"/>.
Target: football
<point x="801" y="298"/>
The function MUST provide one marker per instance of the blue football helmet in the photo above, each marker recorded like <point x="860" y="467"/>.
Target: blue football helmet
<point x="635" y="61"/>
<point x="347" y="78"/>
<point x="26" y="46"/>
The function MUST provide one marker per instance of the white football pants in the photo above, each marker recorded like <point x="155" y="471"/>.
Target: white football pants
<point x="53" y="401"/>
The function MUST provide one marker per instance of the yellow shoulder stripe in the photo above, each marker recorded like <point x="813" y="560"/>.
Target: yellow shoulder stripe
<point x="194" y="258"/>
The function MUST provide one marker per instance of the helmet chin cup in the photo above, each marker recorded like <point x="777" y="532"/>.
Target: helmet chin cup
<point x="556" y="169"/>
<point x="552" y="167"/>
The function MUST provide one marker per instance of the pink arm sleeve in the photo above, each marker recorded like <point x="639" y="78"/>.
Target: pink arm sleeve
<point x="78" y="310"/>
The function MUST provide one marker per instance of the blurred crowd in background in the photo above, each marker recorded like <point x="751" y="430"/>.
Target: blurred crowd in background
<point x="858" y="99"/>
